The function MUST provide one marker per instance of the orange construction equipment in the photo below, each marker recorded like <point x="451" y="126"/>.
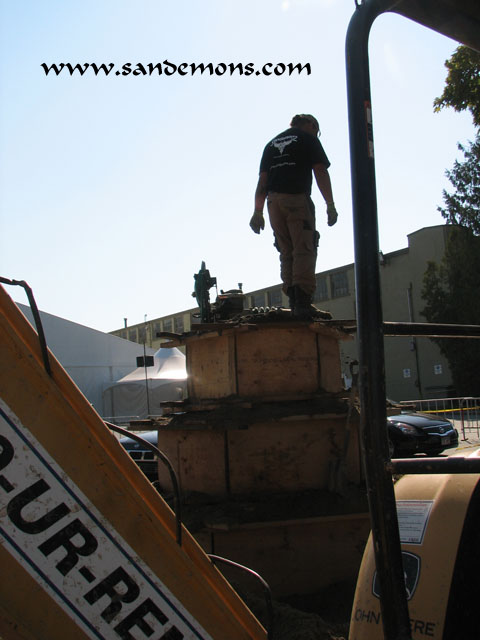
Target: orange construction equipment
<point x="87" y="546"/>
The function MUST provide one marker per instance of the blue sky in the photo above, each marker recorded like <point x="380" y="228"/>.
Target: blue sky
<point x="114" y="189"/>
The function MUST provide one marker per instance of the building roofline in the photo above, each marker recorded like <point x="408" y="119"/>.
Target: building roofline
<point x="346" y="267"/>
<point x="433" y="226"/>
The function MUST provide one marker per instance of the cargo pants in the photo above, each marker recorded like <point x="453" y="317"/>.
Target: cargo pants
<point x="292" y="218"/>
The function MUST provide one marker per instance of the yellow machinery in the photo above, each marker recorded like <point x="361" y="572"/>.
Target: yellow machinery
<point x="438" y="517"/>
<point x="88" y="548"/>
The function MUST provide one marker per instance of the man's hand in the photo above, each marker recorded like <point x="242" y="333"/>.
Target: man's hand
<point x="332" y="214"/>
<point x="257" y="221"/>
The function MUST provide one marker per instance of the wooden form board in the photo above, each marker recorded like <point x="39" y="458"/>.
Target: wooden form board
<point x="88" y="545"/>
<point x="263" y="361"/>
<point x="211" y="367"/>
<point x="314" y="553"/>
<point x="284" y="455"/>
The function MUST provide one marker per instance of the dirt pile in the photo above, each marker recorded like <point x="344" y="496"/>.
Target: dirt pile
<point x="321" y="616"/>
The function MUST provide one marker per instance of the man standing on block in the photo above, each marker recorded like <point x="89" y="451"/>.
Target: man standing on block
<point x="285" y="181"/>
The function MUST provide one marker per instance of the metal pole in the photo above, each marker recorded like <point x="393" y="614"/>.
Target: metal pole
<point x="381" y="496"/>
<point x="145" y="363"/>
<point x="414" y="342"/>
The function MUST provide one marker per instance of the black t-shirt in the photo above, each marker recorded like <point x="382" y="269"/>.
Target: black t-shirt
<point x="288" y="159"/>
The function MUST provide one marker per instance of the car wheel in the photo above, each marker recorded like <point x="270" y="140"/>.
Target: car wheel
<point x="391" y="448"/>
<point x="435" y="452"/>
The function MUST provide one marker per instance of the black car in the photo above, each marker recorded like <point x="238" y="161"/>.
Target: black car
<point x="412" y="432"/>
<point x="143" y="456"/>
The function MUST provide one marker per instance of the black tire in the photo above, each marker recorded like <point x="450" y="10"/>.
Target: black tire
<point x="435" y="452"/>
<point x="391" y="449"/>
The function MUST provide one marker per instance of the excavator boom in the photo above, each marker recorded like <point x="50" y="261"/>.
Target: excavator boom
<point x="87" y="546"/>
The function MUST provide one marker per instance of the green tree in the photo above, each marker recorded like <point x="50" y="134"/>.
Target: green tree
<point x="462" y="207"/>
<point x="462" y="93"/>
<point x="451" y="288"/>
<point x="451" y="293"/>
<point x="462" y="86"/>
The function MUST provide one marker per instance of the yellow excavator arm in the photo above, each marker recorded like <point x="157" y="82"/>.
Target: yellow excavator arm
<point x="87" y="546"/>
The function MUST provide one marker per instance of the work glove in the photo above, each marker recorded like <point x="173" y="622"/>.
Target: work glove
<point x="257" y="221"/>
<point x="332" y="214"/>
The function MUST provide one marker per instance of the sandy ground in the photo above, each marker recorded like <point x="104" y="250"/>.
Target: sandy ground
<point x="321" y="616"/>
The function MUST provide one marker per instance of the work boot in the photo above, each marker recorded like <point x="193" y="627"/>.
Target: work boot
<point x="303" y="304"/>
<point x="304" y="309"/>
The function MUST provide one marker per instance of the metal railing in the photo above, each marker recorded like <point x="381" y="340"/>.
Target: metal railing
<point x="129" y="421"/>
<point x="464" y="412"/>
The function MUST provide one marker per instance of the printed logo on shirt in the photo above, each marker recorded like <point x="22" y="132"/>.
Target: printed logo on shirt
<point x="281" y="143"/>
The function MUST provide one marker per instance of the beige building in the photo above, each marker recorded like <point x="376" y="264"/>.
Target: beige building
<point x="414" y="367"/>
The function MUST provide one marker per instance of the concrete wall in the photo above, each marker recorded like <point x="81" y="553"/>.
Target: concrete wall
<point x="414" y="366"/>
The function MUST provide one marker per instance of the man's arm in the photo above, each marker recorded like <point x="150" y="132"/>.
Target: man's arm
<point x="261" y="191"/>
<point x="257" y="222"/>
<point x="322" y="178"/>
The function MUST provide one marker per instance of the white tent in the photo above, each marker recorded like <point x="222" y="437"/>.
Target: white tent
<point x="140" y="393"/>
<point x="94" y="360"/>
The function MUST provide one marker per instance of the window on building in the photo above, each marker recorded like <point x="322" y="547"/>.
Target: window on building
<point x="142" y="334"/>
<point x="339" y="284"/>
<point x="275" y="298"/>
<point x="178" y="324"/>
<point x="321" y="291"/>
<point x="157" y="327"/>
<point x="258" y="300"/>
<point x="132" y="335"/>
<point x="167" y="324"/>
